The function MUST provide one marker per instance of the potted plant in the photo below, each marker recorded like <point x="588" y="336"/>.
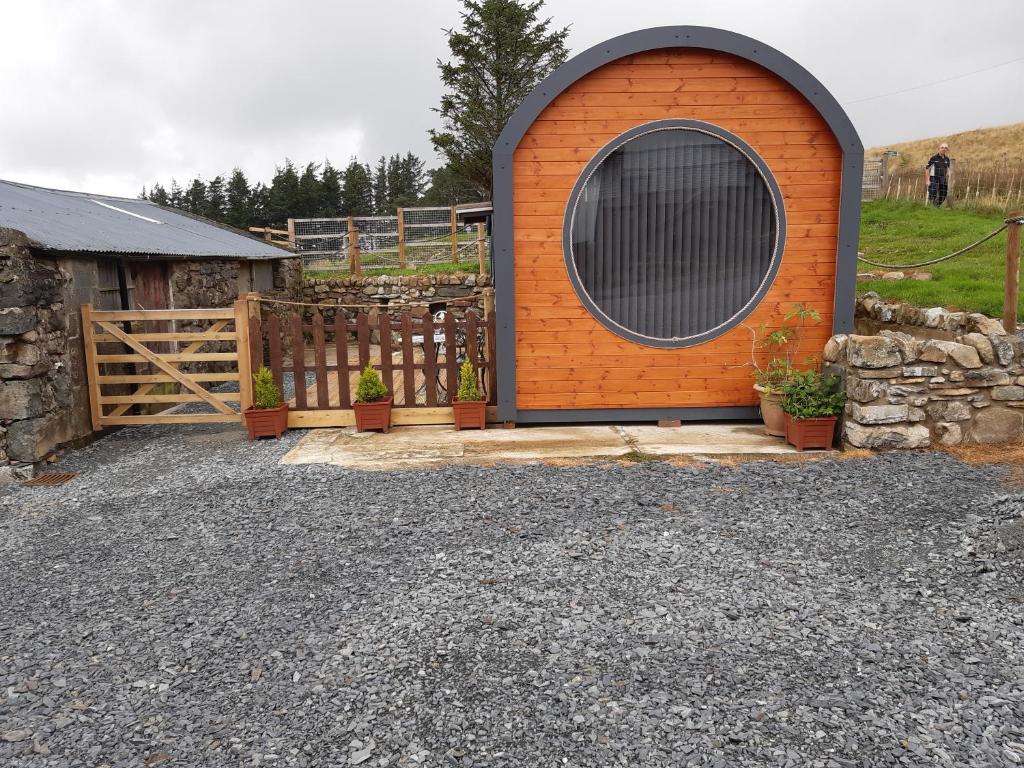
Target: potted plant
<point x="812" y="403"/>
<point x="783" y="346"/>
<point x="373" y="403"/>
<point x="469" y="407"/>
<point x="268" y="416"/>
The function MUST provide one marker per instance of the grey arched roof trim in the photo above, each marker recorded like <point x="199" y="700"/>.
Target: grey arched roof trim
<point x="654" y="38"/>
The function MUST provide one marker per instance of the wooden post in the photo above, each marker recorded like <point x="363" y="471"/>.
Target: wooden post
<point x="455" y="236"/>
<point x="481" y="248"/>
<point x="92" y="368"/>
<point x="242" y="348"/>
<point x="353" y="248"/>
<point x="291" y="233"/>
<point x="402" y="261"/>
<point x="1011" y="293"/>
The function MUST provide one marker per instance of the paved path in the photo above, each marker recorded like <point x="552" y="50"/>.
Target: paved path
<point x="189" y="600"/>
<point x="418" y="447"/>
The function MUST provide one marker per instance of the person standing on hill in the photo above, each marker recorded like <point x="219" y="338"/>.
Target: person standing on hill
<point x="937" y="173"/>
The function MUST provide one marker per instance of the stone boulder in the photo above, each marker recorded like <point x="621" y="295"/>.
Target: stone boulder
<point x="873" y="352"/>
<point x="981" y="343"/>
<point x="880" y="414"/>
<point x="937" y="351"/>
<point x="887" y="436"/>
<point x="22" y="399"/>
<point x="15" y="321"/>
<point x="998" y="425"/>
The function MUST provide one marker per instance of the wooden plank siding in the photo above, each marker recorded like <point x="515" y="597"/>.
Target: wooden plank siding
<point x="565" y="359"/>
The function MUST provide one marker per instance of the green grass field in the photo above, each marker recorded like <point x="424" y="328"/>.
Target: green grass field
<point x="894" y="232"/>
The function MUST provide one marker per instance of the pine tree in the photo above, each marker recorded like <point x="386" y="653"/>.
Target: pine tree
<point x="357" y="190"/>
<point x="283" y="197"/>
<point x="330" y="191"/>
<point x="177" y="196"/>
<point x="447" y="188"/>
<point x="307" y="203"/>
<point x="238" y="206"/>
<point x="158" y="195"/>
<point x="195" y="198"/>
<point x="381" y="192"/>
<point x="498" y="57"/>
<point x="259" y="204"/>
<point x="216" y="202"/>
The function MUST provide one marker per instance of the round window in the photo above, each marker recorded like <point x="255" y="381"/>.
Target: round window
<point x="673" y="233"/>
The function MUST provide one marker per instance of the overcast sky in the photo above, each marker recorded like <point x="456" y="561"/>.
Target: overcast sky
<point x="108" y="95"/>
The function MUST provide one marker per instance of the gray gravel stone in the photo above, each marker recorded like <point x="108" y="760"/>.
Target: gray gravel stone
<point x="189" y="601"/>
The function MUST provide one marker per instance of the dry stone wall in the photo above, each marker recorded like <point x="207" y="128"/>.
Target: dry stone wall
<point x="36" y="387"/>
<point x="874" y="315"/>
<point x="909" y="392"/>
<point x="403" y="289"/>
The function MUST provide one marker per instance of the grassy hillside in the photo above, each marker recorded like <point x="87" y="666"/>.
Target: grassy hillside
<point x="1004" y="143"/>
<point x="897" y="232"/>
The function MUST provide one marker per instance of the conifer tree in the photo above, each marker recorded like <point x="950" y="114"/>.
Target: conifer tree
<point x="357" y="190"/>
<point x="500" y="54"/>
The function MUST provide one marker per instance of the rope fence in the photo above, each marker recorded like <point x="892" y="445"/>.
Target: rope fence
<point x="1011" y="295"/>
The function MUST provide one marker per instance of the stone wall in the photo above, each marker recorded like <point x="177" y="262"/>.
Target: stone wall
<point x="36" y="384"/>
<point x="402" y="288"/>
<point x="207" y="283"/>
<point x="874" y="315"/>
<point x="907" y="392"/>
<point x="44" y="400"/>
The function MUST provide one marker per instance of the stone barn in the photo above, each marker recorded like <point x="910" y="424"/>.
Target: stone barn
<point x="59" y="250"/>
<point x="656" y="197"/>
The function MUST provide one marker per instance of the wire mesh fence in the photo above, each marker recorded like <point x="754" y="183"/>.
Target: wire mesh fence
<point x="412" y="238"/>
<point x="969" y="185"/>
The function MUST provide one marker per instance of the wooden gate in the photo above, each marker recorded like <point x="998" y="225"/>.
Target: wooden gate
<point x="180" y="357"/>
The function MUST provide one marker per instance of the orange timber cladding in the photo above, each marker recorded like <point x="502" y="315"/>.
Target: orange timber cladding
<point x="564" y="357"/>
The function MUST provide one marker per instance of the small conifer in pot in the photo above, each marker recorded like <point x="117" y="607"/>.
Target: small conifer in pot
<point x="469" y="408"/>
<point x="373" y="402"/>
<point x="268" y="416"/>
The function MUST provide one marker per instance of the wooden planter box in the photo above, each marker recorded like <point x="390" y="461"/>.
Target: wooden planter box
<point x="266" y="422"/>
<point x="810" y="433"/>
<point x="375" y="415"/>
<point x="470" y="413"/>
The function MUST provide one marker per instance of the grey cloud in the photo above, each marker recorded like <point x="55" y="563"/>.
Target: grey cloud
<point x="112" y="95"/>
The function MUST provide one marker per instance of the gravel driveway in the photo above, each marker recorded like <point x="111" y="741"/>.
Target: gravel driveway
<point x="188" y="601"/>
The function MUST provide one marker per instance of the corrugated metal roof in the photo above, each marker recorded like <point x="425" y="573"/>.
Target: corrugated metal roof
<point x="75" y="221"/>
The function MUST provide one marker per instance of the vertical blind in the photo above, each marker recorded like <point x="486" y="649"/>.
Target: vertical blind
<point x="673" y="233"/>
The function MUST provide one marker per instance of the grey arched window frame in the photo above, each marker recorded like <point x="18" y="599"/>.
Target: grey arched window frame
<point x="778" y="207"/>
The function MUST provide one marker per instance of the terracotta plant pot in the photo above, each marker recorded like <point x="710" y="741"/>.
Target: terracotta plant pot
<point x="810" y="433"/>
<point x="771" y="412"/>
<point x="266" y="422"/>
<point x="375" y="415"/>
<point x="470" y="413"/>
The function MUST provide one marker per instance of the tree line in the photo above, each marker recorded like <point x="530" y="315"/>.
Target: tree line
<point x="502" y="52"/>
<point x="315" y="190"/>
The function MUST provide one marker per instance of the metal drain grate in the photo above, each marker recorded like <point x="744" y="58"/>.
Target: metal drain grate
<point x="52" y="478"/>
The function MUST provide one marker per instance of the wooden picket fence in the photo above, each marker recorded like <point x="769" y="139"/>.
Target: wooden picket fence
<point x="418" y="360"/>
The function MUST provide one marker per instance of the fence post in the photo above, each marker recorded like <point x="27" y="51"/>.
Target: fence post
<point x="1011" y="293"/>
<point x="291" y="233"/>
<point x="353" y="248"/>
<point x="243" y="354"/>
<point x="402" y="262"/>
<point x="92" y="369"/>
<point x="455" y="236"/>
<point x="481" y="248"/>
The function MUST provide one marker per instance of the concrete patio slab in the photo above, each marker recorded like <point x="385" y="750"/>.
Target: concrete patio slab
<point x="429" y="446"/>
